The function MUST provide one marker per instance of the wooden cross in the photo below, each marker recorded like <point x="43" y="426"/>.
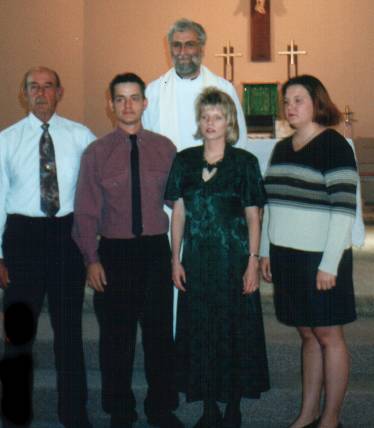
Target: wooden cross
<point x="348" y="119"/>
<point x="292" y="54"/>
<point x="228" y="56"/>
<point x="347" y="114"/>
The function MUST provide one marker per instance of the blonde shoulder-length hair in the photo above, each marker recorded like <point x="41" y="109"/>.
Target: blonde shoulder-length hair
<point x="212" y="96"/>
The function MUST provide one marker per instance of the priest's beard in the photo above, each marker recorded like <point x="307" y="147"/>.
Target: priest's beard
<point x="188" y="69"/>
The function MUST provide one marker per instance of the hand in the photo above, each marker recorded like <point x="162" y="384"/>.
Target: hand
<point x="325" y="281"/>
<point x="178" y="275"/>
<point x="251" y="278"/>
<point x="4" y="276"/>
<point x="96" y="278"/>
<point x="266" y="269"/>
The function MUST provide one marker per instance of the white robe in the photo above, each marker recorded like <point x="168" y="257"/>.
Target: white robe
<point x="171" y="106"/>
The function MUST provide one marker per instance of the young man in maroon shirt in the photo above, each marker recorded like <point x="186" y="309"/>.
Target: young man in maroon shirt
<point x="120" y="197"/>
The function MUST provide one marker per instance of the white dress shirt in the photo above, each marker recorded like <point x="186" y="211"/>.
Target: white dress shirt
<point x="19" y="165"/>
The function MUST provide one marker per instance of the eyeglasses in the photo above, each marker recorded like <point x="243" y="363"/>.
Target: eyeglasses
<point x="35" y="88"/>
<point x="190" y="44"/>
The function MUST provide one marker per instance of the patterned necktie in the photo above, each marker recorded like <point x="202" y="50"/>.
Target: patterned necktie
<point x="49" y="198"/>
<point x="137" y="227"/>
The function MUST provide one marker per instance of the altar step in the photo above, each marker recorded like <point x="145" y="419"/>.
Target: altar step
<point x="276" y="408"/>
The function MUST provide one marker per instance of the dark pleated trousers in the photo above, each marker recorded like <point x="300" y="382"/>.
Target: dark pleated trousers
<point x="43" y="260"/>
<point x="140" y="290"/>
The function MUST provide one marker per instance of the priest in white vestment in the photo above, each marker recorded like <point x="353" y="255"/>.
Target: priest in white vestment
<point x="171" y="97"/>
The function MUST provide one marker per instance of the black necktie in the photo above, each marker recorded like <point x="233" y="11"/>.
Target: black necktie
<point x="137" y="227"/>
<point x="49" y="197"/>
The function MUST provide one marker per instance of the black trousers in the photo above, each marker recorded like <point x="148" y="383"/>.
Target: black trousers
<point x="140" y="289"/>
<point x="43" y="260"/>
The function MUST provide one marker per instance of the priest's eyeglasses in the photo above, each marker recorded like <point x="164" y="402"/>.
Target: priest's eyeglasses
<point x="190" y="44"/>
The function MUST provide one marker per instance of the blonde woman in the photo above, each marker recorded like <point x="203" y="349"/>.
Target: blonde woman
<point x="218" y="193"/>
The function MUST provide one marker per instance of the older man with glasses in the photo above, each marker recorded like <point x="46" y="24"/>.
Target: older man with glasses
<point x="39" y="165"/>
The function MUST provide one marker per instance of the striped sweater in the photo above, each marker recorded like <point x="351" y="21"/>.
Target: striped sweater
<point x="311" y="198"/>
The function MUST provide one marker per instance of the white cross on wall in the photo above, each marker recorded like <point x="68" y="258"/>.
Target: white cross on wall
<point x="228" y="55"/>
<point x="292" y="53"/>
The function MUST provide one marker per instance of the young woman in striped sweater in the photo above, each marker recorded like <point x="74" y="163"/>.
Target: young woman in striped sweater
<point x="306" y="243"/>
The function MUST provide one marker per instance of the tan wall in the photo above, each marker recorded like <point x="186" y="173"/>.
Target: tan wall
<point x="41" y="32"/>
<point x="99" y="38"/>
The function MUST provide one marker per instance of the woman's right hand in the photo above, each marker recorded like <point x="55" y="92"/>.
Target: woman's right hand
<point x="178" y="275"/>
<point x="266" y="269"/>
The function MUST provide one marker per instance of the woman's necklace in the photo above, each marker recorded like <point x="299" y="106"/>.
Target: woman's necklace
<point x="216" y="160"/>
<point x="210" y="166"/>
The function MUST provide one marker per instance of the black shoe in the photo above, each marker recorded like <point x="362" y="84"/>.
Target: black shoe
<point x="313" y="424"/>
<point x="117" y="421"/>
<point x="165" y="420"/>
<point x="120" y="424"/>
<point x="213" y="420"/>
<point x="208" y="423"/>
<point x="232" y="419"/>
<point x="85" y="423"/>
<point x="79" y="424"/>
<point x="7" y="424"/>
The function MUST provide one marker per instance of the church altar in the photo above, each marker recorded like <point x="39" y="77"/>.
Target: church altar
<point x="262" y="149"/>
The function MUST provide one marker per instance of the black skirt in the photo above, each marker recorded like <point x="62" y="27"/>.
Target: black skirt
<point x="296" y="298"/>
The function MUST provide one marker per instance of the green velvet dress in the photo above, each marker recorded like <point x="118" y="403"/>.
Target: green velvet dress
<point x="220" y="336"/>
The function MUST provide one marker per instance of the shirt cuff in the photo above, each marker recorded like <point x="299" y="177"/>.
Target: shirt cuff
<point x="91" y="258"/>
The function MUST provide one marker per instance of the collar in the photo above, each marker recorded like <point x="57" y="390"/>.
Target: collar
<point x="37" y="123"/>
<point x="227" y="154"/>
<point x="186" y="79"/>
<point x="126" y="135"/>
